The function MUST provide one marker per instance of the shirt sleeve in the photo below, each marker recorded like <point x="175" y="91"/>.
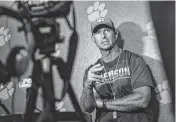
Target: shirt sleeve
<point x="140" y="75"/>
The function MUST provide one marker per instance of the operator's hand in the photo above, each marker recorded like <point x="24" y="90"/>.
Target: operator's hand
<point x="57" y="51"/>
<point x="93" y="75"/>
<point x="38" y="56"/>
<point x="27" y="25"/>
<point x="99" y="103"/>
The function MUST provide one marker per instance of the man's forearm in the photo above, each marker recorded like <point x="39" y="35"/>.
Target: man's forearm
<point x="31" y="41"/>
<point x="87" y="100"/>
<point x="128" y="103"/>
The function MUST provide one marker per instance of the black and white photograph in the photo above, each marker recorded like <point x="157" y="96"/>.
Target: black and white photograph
<point x="87" y="61"/>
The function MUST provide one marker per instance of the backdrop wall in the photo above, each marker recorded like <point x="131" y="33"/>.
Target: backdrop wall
<point x="135" y="24"/>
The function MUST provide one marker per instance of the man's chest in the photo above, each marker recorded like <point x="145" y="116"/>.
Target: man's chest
<point x="117" y="79"/>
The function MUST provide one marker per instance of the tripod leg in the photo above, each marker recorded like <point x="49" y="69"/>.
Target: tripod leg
<point x="48" y="90"/>
<point x="31" y="104"/>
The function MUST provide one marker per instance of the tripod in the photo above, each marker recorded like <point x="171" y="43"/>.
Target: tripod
<point x="42" y="77"/>
<point x="42" y="68"/>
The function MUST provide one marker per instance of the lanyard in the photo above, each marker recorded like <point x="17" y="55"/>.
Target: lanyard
<point x="111" y="83"/>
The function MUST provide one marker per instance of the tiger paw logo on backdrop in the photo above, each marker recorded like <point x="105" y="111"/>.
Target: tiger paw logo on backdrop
<point x="4" y="36"/>
<point x="60" y="106"/>
<point x="97" y="12"/>
<point x="151" y="50"/>
<point x="163" y="94"/>
<point x="6" y="90"/>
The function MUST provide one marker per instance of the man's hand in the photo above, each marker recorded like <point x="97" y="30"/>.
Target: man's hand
<point x="93" y="76"/>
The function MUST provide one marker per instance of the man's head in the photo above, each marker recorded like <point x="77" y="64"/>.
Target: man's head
<point x="104" y="34"/>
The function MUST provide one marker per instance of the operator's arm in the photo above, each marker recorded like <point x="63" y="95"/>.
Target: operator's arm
<point x="29" y="37"/>
<point x="31" y="42"/>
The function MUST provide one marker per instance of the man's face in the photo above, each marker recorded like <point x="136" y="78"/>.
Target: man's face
<point x="104" y="38"/>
